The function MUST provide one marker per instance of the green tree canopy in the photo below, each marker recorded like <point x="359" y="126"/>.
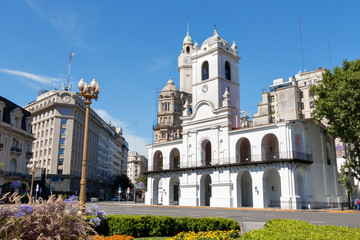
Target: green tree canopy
<point x="337" y="101"/>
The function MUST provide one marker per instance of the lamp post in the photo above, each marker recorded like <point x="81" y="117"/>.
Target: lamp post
<point x="33" y="166"/>
<point x="88" y="92"/>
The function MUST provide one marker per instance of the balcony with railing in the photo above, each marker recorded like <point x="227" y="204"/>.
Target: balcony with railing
<point x="14" y="175"/>
<point x="253" y="159"/>
<point x="16" y="150"/>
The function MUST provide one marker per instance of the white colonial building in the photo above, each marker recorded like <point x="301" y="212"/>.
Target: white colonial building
<point x="290" y="164"/>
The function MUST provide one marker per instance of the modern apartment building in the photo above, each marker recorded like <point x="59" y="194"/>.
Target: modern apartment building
<point x="288" y="100"/>
<point x="136" y="164"/>
<point x="15" y="147"/>
<point x="58" y="126"/>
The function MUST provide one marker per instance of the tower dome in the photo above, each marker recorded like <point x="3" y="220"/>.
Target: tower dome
<point x="170" y="86"/>
<point x="187" y="39"/>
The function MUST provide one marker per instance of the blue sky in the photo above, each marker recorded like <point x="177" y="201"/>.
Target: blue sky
<point x="131" y="48"/>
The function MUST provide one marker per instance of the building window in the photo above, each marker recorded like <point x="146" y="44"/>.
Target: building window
<point x="301" y="94"/>
<point x="64" y="111"/>
<point x="312" y="104"/>
<point x="205" y="70"/>
<point x="227" y="71"/>
<point x="60" y="172"/>
<point x="302" y="105"/>
<point x="13" y="165"/>
<point x="63" y="131"/>
<point x="62" y="141"/>
<point x="187" y="49"/>
<point x="61" y="161"/>
<point x="61" y="151"/>
<point x="63" y="121"/>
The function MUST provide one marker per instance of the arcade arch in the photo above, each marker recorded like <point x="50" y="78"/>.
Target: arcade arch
<point x="270" y="147"/>
<point x="205" y="190"/>
<point x="272" y="188"/>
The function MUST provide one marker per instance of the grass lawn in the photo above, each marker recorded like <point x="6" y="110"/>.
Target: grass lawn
<point x="163" y="238"/>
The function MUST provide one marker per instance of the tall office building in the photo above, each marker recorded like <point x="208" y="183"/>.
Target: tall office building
<point x="15" y="147"/>
<point x="58" y="126"/>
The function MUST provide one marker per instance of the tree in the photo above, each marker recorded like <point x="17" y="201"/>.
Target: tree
<point x="337" y="101"/>
<point x="142" y="178"/>
<point x="123" y="181"/>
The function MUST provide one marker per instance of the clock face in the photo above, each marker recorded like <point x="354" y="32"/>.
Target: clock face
<point x="66" y="99"/>
<point x="204" y="88"/>
<point x="187" y="60"/>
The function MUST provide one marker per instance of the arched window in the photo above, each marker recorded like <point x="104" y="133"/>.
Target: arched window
<point x="227" y="71"/>
<point x="205" y="71"/>
<point x="187" y="49"/>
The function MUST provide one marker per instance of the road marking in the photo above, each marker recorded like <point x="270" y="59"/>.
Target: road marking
<point x="316" y="222"/>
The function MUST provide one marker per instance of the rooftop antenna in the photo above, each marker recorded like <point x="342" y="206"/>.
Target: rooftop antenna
<point x="301" y="47"/>
<point x="71" y="54"/>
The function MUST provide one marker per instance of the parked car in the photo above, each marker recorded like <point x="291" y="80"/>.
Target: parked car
<point x="115" y="198"/>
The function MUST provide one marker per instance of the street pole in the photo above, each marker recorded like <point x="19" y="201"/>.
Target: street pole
<point x="33" y="166"/>
<point x="88" y="92"/>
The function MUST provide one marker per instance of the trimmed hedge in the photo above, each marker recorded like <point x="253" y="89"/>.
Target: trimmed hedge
<point x="157" y="226"/>
<point x="296" y="229"/>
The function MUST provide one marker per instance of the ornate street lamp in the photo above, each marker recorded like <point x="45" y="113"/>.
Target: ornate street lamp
<point x="33" y="166"/>
<point x="88" y="92"/>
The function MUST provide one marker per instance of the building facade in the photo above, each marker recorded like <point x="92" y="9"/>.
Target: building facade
<point x="288" y="100"/>
<point x="167" y="127"/>
<point x="136" y="164"/>
<point x="15" y="147"/>
<point x="222" y="164"/>
<point x="58" y="119"/>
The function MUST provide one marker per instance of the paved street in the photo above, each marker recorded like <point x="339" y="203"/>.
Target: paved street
<point x="350" y="219"/>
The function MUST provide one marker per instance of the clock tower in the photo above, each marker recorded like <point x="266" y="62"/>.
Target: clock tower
<point x="185" y="65"/>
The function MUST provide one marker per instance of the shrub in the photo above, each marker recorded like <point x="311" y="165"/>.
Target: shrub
<point x="151" y="226"/>
<point x="52" y="219"/>
<point x="296" y="229"/>
<point x="217" y="235"/>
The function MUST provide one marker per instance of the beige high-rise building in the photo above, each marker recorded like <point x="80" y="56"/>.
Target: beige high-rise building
<point x="58" y="126"/>
<point x="136" y="164"/>
<point x="170" y="107"/>
<point x="288" y="100"/>
<point x="15" y="147"/>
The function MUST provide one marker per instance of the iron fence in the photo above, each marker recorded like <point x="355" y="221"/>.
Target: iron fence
<point x="310" y="205"/>
<point x="253" y="158"/>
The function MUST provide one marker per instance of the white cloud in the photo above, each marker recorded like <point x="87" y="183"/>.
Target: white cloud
<point x="49" y="81"/>
<point x="108" y="118"/>
<point x="159" y="63"/>
<point x="72" y="25"/>
<point x="136" y="143"/>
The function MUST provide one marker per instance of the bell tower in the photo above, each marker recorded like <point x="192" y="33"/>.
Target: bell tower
<point x="185" y="64"/>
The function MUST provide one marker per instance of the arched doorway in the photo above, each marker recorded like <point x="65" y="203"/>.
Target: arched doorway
<point x="272" y="188"/>
<point x="158" y="161"/>
<point x="244" y="189"/>
<point x="157" y="191"/>
<point x="243" y="150"/>
<point x="174" y="159"/>
<point x="174" y="188"/>
<point x="300" y="185"/>
<point x="205" y="190"/>
<point x="206" y="153"/>
<point x="270" y="147"/>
